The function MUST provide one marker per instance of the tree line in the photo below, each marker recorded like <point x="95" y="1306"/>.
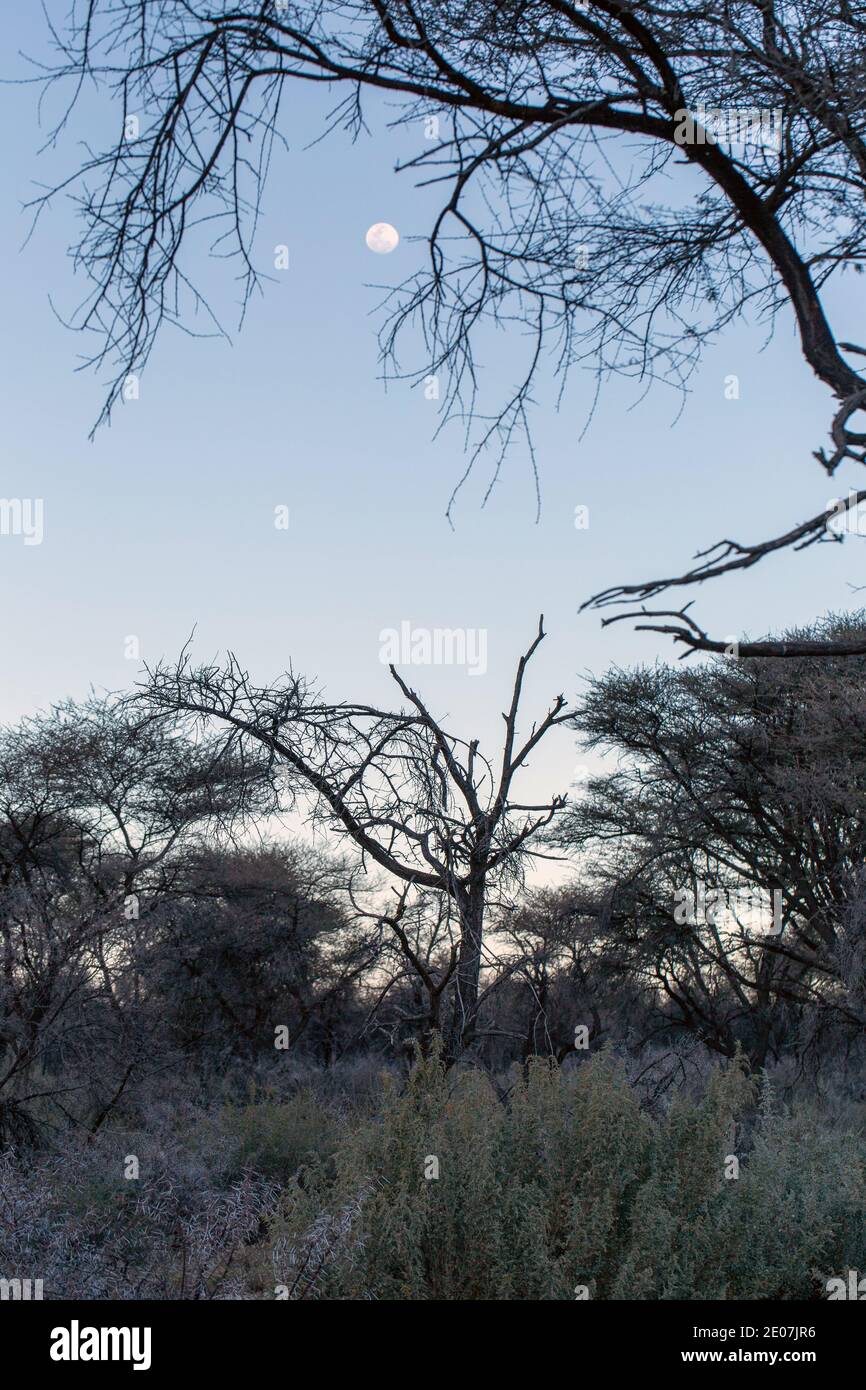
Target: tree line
<point x="154" y="921"/>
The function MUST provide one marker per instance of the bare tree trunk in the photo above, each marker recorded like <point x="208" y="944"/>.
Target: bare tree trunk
<point x="468" y="975"/>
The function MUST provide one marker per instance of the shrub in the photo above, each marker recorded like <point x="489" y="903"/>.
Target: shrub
<point x="569" y="1187"/>
<point x="276" y="1138"/>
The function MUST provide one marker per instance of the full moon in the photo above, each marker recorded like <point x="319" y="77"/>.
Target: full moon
<point x="382" y="238"/>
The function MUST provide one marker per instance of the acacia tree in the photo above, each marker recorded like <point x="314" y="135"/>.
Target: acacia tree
<point x="417" y="801"/>
<point x="557" y="130"/>
<point x="561" y="982"/>
<point x="254" y="939"/>
<point x="97" y="810"/>
<point x="749" y="779"/>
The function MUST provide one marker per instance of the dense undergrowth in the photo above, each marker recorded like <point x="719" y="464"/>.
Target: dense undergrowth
<point x="556" y="1184"/>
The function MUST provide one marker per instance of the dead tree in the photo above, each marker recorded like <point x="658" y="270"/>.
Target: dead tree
<point x="418" y="802"/>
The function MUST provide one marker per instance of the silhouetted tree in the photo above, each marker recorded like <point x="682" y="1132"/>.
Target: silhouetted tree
<point x="253" y="941"/>
<point x="555" y="130"/>
<point x="741" y="779"/>
<point x="416" y="800"/>
<point x="97" y="809"/>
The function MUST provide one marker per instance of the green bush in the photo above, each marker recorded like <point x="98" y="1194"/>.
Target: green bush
<point x="276" y="1138"/>
<point x="569" y="1186"/>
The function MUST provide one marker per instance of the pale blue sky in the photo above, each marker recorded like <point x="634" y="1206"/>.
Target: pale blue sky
<point x="166" y="520"/>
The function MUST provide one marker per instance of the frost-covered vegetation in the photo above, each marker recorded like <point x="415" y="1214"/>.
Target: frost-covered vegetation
<point x="555" y="1184"/>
